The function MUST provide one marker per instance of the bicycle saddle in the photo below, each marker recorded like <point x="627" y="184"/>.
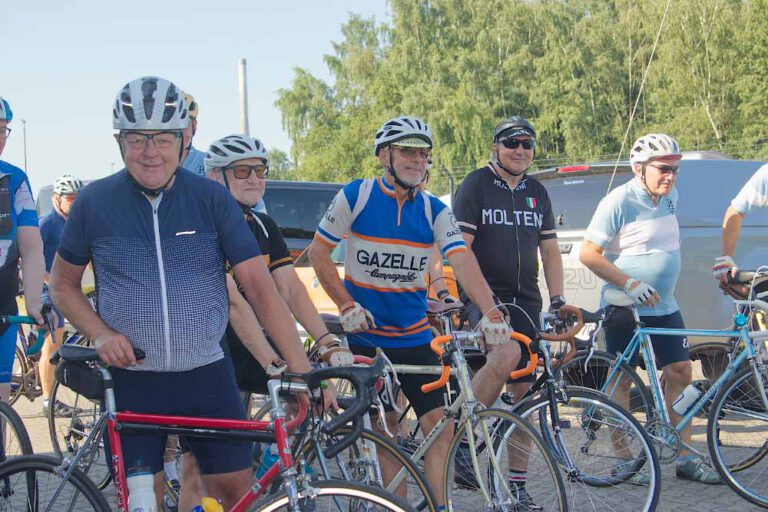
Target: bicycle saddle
<point x="616" y="297"/>
<point x="438" y="307"/>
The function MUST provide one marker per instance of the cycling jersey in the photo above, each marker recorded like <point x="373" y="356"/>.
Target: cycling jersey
<point x="508" y="226"/>
<point x="388" y="246"/>
<point x="160" y="264"/>
<point x="17" y="208"/>
<point x="276" y="255"/>
<point x="754" y="194"/>
<point x="51" y="229"/>
<point x="642" y="239"/>
<point x="195" y="161"/>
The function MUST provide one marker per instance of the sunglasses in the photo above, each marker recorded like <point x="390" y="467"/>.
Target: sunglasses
<point x="510" y="143"/>
<point x="666" y="169"/>
<point x="242" y="172"/>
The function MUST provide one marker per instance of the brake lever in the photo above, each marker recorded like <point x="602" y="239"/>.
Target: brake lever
<point x="382" y="419"/>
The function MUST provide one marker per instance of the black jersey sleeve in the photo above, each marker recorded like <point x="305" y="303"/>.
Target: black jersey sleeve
<point x="466" y="204"/>
<point x="548" y="229"/>
<point x="279" y="255"/>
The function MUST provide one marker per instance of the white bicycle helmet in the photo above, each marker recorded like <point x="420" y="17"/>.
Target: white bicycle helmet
<point x="653" y="145"/>
<point x="233" y="148"/>
<point x="400" y="128"/>
<point x="150" y="103"/>
<point x="6" y="114"/>
<point x="66" y="185"/>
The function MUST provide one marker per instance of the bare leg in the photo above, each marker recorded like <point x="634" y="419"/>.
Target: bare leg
<point x="51" y="345"/>
<point x="192" y="490"/>
<point x="676" y="377"/>
<point x="229" y="487"/>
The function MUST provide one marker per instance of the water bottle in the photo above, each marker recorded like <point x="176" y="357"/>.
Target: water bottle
<point x="141" y="490"/>
<point x="209" y="504"/>
<point x="688" y="397"/>
<point x="268" y="459"/>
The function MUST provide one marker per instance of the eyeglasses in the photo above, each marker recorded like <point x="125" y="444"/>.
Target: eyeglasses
<point x="666" y="169"/>
<point x="510" y="143"/>
<point x="4" y="133"/>
<point x="242" y="172"/>
<point x="422" y="153"/>
<point x="162" y="140"/>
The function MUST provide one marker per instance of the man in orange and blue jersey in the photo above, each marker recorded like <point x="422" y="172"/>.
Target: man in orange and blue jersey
<point x="390" y="228"/>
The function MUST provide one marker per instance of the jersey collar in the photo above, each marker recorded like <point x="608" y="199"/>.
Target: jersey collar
<point x="497" y="176"/>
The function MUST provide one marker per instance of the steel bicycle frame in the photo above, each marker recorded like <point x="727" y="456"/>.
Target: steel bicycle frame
<point x="266" y="431"/>
<point x="641" y="341"/>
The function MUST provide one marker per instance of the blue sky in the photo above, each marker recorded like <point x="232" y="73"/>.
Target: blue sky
<point x="64" y="61"/>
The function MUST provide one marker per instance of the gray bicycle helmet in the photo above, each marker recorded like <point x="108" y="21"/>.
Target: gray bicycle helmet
<point x="150" y="103"/>
<point x="66" y="185"/>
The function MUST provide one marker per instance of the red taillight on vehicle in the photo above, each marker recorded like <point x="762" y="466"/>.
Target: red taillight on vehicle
<point x="572" y="168"/>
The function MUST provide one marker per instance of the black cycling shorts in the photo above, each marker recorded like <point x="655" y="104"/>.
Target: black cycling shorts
<point x="519" y="323"/>
<point x="668" y="349"/>
<point x="411" y="384"/>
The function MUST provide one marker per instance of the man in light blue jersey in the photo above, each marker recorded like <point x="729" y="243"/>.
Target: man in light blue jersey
<point x="633" y="243"/>
<point x="753" y="195"/>
<point x="391" y="228"/>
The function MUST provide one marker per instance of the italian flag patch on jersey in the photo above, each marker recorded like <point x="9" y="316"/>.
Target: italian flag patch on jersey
<point x="531" y="202"/>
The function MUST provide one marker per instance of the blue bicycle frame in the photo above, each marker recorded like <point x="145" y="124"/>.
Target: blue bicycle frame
<point x="641" y="341"/>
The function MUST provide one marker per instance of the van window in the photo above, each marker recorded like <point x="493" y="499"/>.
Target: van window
<point x="575" y="197"/>
<point x="298" y="211"/>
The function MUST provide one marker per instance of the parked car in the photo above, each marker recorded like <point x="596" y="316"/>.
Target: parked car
<point x="706" y="184"/>
<point x="297" y="207"/>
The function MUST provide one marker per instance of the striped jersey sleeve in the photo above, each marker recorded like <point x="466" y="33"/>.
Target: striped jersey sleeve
<point x="754" y="194"/>
<point x="338" y="219"/>
<point x="446" y="229"/>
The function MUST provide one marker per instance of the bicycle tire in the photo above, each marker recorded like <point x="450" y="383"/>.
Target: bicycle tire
<point x="68" y="433"/>
<point x="351" y="496"/>
<point x="17" y="443"/>
<point x="461" y="493"/>
<point x="39" y="475"/>
<point x="738" y="399"/>
<point x="596" y="374"/>
<point x="357" y="466"/>
<point x="19" y="378"/>
<point x="592" y="412"/>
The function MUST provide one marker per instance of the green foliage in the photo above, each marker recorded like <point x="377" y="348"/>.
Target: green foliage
<point x="574" y="67"/>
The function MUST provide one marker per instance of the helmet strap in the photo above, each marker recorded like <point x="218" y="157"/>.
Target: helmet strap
<point x="400" y="183"/>
<point x="497" y="162"/>
<point x="246" y="208"/>
<point x="152" y="192"/>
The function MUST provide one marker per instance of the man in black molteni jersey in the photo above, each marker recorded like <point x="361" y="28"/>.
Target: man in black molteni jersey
<point x="506" y="218"/>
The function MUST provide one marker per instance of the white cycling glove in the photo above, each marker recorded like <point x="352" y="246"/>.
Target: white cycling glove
<point x="494" y="333"/>
<point x="723" y="266"/>
<point x="640" y="293"/>
<point x="356" y="319"/>
<point x="335" y="354"/>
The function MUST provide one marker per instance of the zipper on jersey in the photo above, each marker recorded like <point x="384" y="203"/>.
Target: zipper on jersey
<point x="155" y="203"/>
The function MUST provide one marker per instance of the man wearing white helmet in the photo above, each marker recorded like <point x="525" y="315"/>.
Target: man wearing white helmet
<point x="19" y="239"/>
<point x="65" y="190"/>
<point x="159" y="238"/>
<point x="390" y="228"/>
<point x="633" y="243"/>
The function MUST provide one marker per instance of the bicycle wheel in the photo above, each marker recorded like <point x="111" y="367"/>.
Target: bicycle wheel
<point x="30" y="482"/>
<point x="18" y="375"/>
<point x="603" y="450"/>
<point x="358" y="464"/>
<point x="13" y="434"/>
<point x="737" y="435"/>
<point x="68" y="433"/>
<point x="503" y="440"/>
<point x="331" y="495"/>
<point x="593" y="374"/>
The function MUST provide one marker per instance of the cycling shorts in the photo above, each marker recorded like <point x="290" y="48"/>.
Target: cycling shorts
<point x="7" y="344"/>
<point x="668" y="349"/>
<point x="411" y="384"/>
<point x="208" y="391"/>
<point x="519" y="323"/>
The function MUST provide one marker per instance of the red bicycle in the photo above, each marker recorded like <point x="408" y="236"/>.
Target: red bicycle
<point x="45" y="483"/>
